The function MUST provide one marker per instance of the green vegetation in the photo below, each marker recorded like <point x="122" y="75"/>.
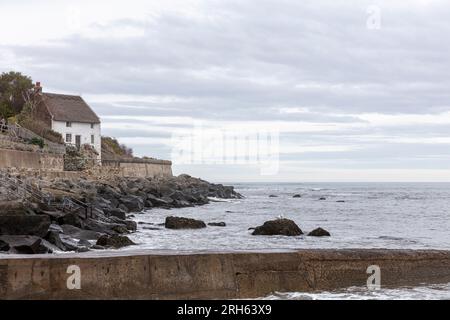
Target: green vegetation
<point x="38" y="142"/>
<point x="14" y="90"/>
<point x="112" y="147"/>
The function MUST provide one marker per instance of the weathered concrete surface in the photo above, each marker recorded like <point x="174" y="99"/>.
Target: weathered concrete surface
<point x="142" y="168"/>
<point x="168" y="275"/>
<point x="31" y="160"/>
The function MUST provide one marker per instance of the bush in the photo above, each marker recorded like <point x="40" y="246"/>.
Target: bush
<point x="38" y="142"/>
<point x="111" y="146"/>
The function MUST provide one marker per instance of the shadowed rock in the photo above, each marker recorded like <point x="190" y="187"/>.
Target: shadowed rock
<point x="319" y="232"/>
<point x="183" y="223"/>
<point x="35" y="225"/>
<point x="283" y="227"/>
<point x="297" y="196"/>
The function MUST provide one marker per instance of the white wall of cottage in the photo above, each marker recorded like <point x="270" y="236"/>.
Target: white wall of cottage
<point x="84" y="130"/>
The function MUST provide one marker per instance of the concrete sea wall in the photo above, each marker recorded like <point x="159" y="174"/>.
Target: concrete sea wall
<point x="143" y="168"/>
<point x="209" y="275"/>
<point x="31" y="160"/>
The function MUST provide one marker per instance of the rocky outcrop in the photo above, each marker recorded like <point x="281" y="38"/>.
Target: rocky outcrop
<point x="40" y="228"/>
<point x="283" y="227"/>
<point x="319" y="232"/>
<point x="183" y="223"/>
<point x="26" y="244"/>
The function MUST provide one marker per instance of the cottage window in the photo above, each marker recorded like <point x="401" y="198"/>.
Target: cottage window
<point x="68" y="124"/>
<point x="92" y="139"/>
<point x="92" y="126"/>
<point x="68" y="138"/>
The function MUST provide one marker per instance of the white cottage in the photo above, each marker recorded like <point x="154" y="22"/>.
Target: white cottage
<point x="71" y="116"/>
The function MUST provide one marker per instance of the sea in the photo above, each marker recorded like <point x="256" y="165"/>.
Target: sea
<point x="358" y="215"/>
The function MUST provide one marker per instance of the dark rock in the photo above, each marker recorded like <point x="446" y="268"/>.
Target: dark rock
<point x="128" y="224"/>
<point x="55" y="238"/>
<point x="273" y="196"/>
<point x="217" y="224"/>
<point x="72" y="219"/>
<point x="132" y="203"/>
<point x="322" y="198"/>
<point x="297" y="196"/>
<point x="84" y="243"/>
<point x="183" y="223"/>
<point x="158" y="202"/>
<point x="104" y="227"/>
<point x="78" y="233"/>
<point x="4" y="246"/>
<point x="114" y="241"/>
<point x="319" y="232"/>
<point x="120" y="229"/>
<point x="116" y="212"/>
<point x="25" y="244"/>
<point x="36" y="225"/>
<point x="340" y="201"/>
<point x="97" y="247"/>
<point x="283" y="227"/>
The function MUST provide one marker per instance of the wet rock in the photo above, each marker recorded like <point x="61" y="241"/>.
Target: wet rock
<point x="114" y="241"/>
<point x="283" y="227"/>
<point x="297" y="196"/>
<point x="183" y="223"/>
<point x="319" y="232"/>
<point x="33" y="225"/>
<point x="116" y="212"/>
<point x="217" y="224"/>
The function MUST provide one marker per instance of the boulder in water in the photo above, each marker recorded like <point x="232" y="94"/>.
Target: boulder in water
<point x="283" y="227"/>
<point x="183" y="223"/>
<point x="319" y="232"/>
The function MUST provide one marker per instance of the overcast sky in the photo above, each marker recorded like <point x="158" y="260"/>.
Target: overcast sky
<point x="358" y="90"/>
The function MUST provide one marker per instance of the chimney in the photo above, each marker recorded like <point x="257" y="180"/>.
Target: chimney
<point x="37" y="88"/>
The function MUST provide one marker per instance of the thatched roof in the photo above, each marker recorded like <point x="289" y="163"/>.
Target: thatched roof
<point x="69" y="108"/>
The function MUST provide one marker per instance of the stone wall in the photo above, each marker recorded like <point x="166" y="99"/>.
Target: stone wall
<point x="31" y="160"/>
<point x="208" y="275"/>
<point x="143" y="168"/>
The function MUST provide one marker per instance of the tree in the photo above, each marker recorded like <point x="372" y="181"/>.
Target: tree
<point x="14" y="90"/>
